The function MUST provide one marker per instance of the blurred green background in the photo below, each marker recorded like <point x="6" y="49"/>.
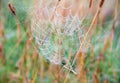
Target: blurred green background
<point x="19" y="57"/>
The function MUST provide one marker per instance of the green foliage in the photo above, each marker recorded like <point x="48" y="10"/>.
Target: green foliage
<point x="108" y="67"/>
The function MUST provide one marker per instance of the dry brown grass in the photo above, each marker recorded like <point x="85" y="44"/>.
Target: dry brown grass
<point x="32" y="61"/>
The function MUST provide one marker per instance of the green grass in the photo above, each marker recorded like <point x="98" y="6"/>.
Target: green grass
<point x="109" y="66"/>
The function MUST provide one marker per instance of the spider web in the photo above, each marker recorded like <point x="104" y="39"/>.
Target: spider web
<point x="62" y="35"/>
<point x="56" y="38"/>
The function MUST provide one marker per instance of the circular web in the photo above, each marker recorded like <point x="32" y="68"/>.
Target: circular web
<point x="57" y="27"/>
<point x="57" y="34"/>
<point x="59" y="30"/>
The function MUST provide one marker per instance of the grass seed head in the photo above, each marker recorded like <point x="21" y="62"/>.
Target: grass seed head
<point x="101" y="3"/>
<point x="12" y="9"/>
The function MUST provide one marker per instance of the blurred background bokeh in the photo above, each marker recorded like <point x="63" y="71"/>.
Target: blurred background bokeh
<point x="20" y="58"/>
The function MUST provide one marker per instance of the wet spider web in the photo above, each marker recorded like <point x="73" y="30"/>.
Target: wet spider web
<point x="61" y="36"/>
<point x="57" y="37"/>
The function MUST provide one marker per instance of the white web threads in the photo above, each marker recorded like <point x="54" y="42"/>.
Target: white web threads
<point x="48" y="34"/>
<point x="56" y="37"/>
